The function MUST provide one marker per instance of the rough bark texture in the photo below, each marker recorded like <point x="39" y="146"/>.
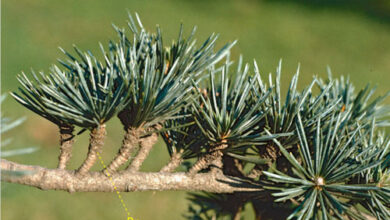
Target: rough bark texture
<point x="129" y="144"/>
<point x="270" y="151"/>
<point x="146" y="145"/>
<point x="213" y="157"/>
<point x="216" y="164"/>
<point x="66" y="180"/>
<point x="174" y="162"/>
<point x="66" y="143"/>
<point x="96" y="143"/>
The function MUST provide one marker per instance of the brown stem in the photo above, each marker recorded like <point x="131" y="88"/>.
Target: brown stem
<point x="129" y="144"/>
<point x="216" y="164"/>
<point x="269" y="151"/>
<point x="237" y="215"/>
<point x="146" y="145"/>
<point x="255" y="173"/>
<point x="213" y="157"/>
<point x="203" y="162"/>
<point x="96" y="143"/>
<point x="176" y="160"/>
<point x="258" y="210"/>
<point x="66" y="143"/>
<point x="66" y="180"/>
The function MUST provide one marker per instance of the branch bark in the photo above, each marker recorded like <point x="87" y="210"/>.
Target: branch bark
<point x="96" y="143"/>
<point x="67" y="180"/>
<point x="213" y="157"/>
<point x="130" y="142"/>
<point x="146" y="145"/>
<point x="175" y="161"/>
<point x="66" y="143"/>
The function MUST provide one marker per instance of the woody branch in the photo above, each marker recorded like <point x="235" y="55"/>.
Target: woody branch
<point x="66" y="180"/>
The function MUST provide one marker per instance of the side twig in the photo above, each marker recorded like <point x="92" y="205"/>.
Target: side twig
<point x="146" y="145"/>
<point x="96" y="143"/>
<point x="213" y="157"/>
<point x="175" y="161"/>
<point x="129" y="144"/>
<point x="66" y="143"/>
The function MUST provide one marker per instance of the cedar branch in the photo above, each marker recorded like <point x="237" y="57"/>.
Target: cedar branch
<point x="96" y="143"/>
<point x="67" y="180"/>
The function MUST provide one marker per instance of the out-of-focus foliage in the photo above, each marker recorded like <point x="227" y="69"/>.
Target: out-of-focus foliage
<point x="6" y="125"/>
<point x="378" y="9"/>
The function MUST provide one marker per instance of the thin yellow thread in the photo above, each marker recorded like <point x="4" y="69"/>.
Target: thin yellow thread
<point x="116" y="189"/>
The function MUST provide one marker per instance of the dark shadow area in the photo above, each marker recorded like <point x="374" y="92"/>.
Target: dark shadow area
<point x="378" y="10"/>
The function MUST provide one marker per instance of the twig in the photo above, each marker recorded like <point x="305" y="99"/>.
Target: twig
<point x="129" y="144"/>
<point x="213" y="156"/>
<point x="216" y="164"/>
<point x="237" y="215"/>
<point x="96" y="143"/>
<point x="175" y="161"/>
<point x="255" y="173"/>
<point x="66" y="143"/>
<point x="146" y="145"/>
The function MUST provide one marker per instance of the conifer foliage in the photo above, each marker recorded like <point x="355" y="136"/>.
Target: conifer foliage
<point x="314" y="153"/>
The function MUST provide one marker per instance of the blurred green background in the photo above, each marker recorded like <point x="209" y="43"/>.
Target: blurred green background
<point x="353" y="39"/>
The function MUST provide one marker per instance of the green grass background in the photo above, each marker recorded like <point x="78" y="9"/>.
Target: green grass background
<point x="351" y="43"/>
